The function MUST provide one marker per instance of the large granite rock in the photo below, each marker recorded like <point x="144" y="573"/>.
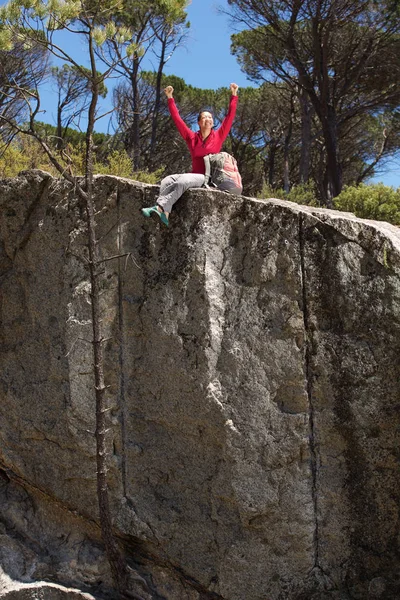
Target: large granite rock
<point x="253" y="364"/>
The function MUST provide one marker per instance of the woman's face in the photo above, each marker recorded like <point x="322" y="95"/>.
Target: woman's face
<point x="206" y="120"/>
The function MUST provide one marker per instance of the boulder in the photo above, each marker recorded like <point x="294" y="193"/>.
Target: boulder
<point x="254" y="385"/>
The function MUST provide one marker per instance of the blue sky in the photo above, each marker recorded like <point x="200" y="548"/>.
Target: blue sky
<point x="205" y="61"/>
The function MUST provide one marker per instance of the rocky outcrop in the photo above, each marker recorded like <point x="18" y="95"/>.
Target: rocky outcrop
<point x="252" y="359"/>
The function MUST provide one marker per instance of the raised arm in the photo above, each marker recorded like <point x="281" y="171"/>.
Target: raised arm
<point x="226" y="124"/>
<point x="181" y="126"/>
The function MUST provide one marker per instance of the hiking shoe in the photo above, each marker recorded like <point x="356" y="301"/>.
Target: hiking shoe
<point x="153" y="209"/>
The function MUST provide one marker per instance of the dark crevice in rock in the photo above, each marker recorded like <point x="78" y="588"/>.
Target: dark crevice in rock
<point x="142" y="557"/>
<point x="121" y="398"/>
<point x="4" y="476"/>
<point x="308" y="375"/>
<point x="6" y="264"/>
<point x="32" y="544"/>
<point x="13" y="477"/>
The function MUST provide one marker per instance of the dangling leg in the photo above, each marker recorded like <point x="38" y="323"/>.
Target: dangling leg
<point x="171" y="189"/>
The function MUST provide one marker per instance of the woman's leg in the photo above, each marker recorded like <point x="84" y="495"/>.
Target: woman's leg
<point x="173" y="186"/>
<point x="166" y="183"/>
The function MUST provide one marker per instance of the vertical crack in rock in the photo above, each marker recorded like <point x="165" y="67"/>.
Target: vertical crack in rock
<point x="121" y="399"/>
<point x="308" y="375"/>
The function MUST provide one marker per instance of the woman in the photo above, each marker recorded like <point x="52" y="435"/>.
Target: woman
<point x="205" y="141"/>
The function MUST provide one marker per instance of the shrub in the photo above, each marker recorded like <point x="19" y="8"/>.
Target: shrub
<point x="26" y="153"/>
<point x="268" y="191"/>
<point x="146" y="177"/>
<point x="23" y="153"/>
<point x="12" y="161"/>
<point x="117" y="163"/>
<point x="303" y="193"/>
<point x="376" y="201"/>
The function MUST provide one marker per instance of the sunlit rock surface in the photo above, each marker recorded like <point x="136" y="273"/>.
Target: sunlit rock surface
<point x="252" y="356"/>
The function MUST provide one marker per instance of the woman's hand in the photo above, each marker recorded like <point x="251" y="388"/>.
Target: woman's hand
<point x="169" y="90"/>
<point x="234" y="89"/>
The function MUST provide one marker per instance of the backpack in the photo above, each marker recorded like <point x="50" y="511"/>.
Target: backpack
<point x="222" y="171"/>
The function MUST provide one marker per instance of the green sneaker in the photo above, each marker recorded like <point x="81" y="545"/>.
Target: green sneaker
<point x="153" y="209"/>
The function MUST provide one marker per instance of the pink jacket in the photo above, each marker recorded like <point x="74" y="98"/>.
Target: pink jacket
<point x="197" y="147"/>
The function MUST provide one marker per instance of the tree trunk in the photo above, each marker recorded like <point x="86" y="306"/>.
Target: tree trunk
<point x="286" y="168"/>
<point x="59" y="143"/>
<point x="135" y="128"/>
<point x="157" y="103"/>
<point x="132" y="132"/>
<point x="326" y="113"/>
<point x="117" y="564"/>
<point x="305" y="136"/>
<point x="270" y="165"/>
<point x="333" y="185"/>
<point x="286" y="149"/>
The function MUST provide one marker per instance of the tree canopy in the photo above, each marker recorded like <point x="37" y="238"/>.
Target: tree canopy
<point x="343" y="54"/>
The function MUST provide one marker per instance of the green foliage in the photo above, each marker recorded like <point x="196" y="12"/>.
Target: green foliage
<point x="118" y="163"/>
<point x="72" y="136"/>
<point x="256" y="50"/>
<point x="6" y="43"/>
<point x="148" y="177"/>
<point x="26" y="153"/>
<point x="90" y="18"/>
<point x="301" y="194"/>
<point x="73" y="158"/>
<point x="268" y="192"/>
<point x="376" y="201"/>
<point x="12" y="161"/>
<point x="23" y="153"/>
<point x="171" y="12"/>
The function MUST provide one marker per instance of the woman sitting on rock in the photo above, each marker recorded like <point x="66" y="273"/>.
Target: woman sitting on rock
<point x="205" y="141"/>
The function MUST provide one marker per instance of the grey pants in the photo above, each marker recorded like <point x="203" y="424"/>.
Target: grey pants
<point x="173" y="186"/>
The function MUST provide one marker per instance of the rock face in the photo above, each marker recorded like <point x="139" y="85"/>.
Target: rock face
<point x="253" y="363"/>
